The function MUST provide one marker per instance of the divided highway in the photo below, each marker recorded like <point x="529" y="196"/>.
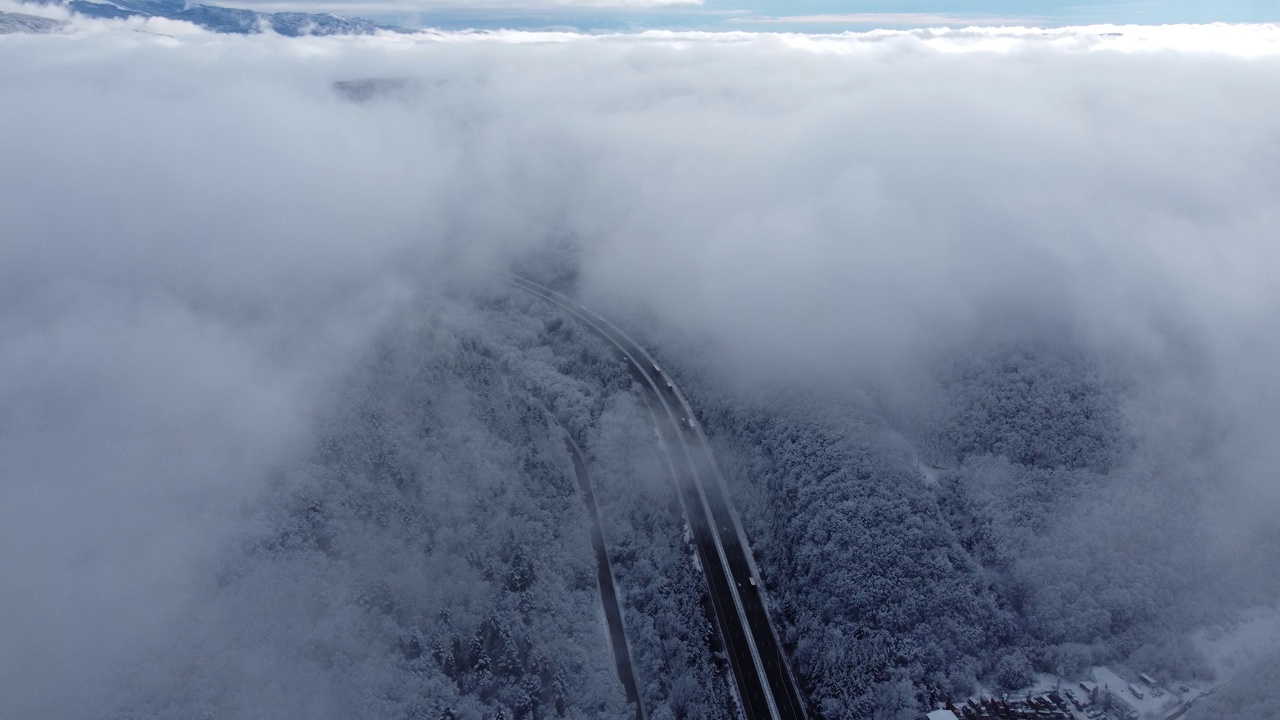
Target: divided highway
<point x="765" y="685"/>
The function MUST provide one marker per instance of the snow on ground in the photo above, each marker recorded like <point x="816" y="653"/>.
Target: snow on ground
<point x="930" y="474"/>
<point x="1154" y="703"/>
<point x="24" y="23"/>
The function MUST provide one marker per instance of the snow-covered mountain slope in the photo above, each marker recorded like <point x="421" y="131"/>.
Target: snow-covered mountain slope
<point x="210" y="17"/>
<point x="21" y="22"/>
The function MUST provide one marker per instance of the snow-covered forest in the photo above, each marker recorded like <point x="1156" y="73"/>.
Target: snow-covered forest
<point x="901" y="581"/>
<point x="980" y="326"/>
<point x="426" y="556"/>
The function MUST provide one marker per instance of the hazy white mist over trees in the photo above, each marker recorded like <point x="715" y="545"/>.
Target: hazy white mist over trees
<point x="982" y="327"/>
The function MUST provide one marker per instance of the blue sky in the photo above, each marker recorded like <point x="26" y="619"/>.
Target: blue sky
<point x="794" y="15"/>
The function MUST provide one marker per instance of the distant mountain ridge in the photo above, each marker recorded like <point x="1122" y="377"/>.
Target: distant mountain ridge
<point x="21" y="22"/>
<point x="216" y="18"/>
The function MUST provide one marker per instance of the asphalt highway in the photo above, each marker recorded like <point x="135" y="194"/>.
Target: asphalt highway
<point x="762" y="678"/>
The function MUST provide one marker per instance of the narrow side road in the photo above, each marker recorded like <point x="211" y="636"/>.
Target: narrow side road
<point x="608" y="590"/>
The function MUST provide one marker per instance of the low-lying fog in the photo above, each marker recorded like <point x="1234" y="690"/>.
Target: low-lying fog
<point x="202" y="241"/>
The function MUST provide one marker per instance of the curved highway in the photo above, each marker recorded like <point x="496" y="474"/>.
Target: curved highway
<point x="765" y="685"/>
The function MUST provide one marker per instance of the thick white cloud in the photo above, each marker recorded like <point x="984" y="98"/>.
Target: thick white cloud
<point x="883" y="19"/>
<point x="197" y="235"/>
<point x="371" y="8"/>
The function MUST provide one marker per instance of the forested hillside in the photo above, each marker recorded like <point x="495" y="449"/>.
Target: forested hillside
<point x="1047" y="541"/>
<point x="1092" y="549"/>
<point x="429" y="560"/>
<point x="882" y="606"/>
<point x="1036" y="406"/>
